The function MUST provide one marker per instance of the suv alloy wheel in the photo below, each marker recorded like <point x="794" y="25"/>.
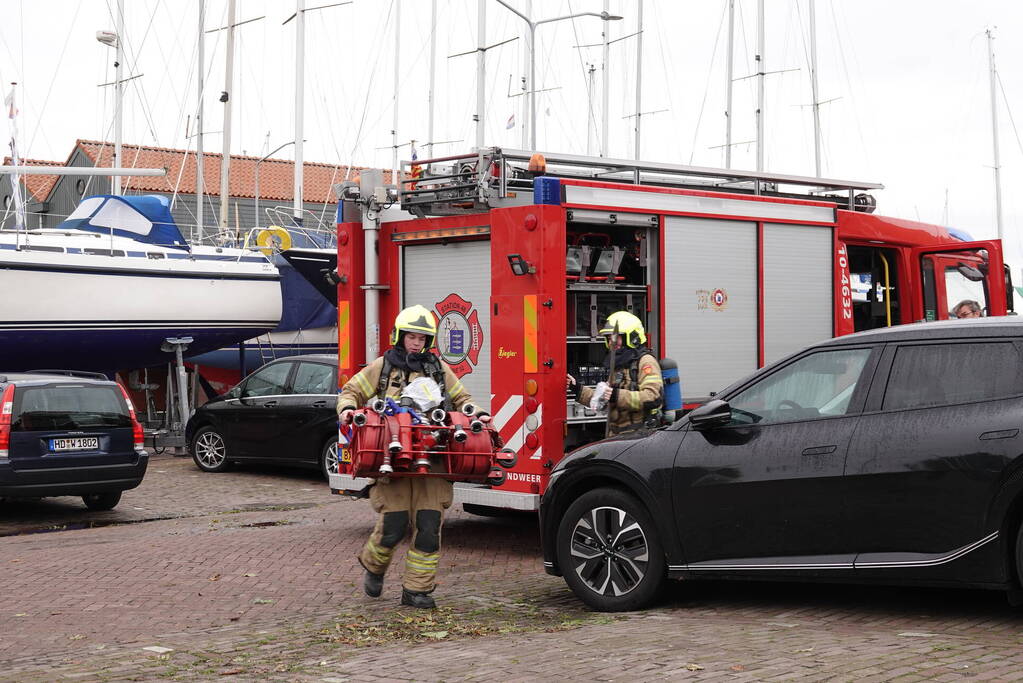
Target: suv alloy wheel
<point x="609" y="551"/>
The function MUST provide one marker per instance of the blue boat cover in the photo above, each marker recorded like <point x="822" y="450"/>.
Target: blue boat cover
<point x="154" y="208"/>
<point x="304" y="307"/>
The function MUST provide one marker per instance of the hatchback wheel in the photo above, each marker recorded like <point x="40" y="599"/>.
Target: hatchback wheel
<point x="102" y="501"/>
<point x="609" y="551"/>
<point x="209" y="450"/>
<point x="328" y="458"/>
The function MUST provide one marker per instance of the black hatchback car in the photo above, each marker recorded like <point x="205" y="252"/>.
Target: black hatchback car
<point x="889" y="456"/>
<point x="65" y="433"/>
<point x="283" y="413"/>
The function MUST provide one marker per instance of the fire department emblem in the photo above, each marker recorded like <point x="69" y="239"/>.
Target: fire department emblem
<point x="718" y="299"/>
<point x="459" y="334"/>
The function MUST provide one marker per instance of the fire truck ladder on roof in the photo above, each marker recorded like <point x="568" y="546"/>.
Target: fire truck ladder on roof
<point x="494" y="176"/>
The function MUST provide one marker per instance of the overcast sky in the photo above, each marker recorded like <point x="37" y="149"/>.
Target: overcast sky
<point x="908" y="85"/>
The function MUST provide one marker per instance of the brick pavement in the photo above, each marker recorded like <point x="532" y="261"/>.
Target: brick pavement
<point x="172" y="487"/>
<point x="262" y="595"/>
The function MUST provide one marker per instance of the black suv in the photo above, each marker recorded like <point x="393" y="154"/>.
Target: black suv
<point x="889" y="456"/>
<point x="283" y="413"/>
<point x="65" y="433"/>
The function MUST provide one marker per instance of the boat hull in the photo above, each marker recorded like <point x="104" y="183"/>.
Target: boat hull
<point x="77" y="317"/>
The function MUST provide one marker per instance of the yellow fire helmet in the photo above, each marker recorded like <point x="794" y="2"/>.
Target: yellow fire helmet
<point x="629" y="326"/>
<point x="415" y="319"/>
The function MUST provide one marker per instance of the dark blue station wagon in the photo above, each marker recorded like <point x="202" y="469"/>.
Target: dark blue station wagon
<point x="65" y="433"/>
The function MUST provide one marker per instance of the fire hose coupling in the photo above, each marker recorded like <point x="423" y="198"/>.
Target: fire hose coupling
<point x="460" y="435"/>
<point x="378" y="405"/>
<point x="359" y="420"/>
<point x="437" y="416"/>
<point x="476" y="426"/>
<point x="469" y="409"/>
<point x="506" y="458"/>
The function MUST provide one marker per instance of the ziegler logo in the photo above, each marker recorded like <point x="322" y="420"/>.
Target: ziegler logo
<point x="501" y="353"/>
<point x="459" y="334"/>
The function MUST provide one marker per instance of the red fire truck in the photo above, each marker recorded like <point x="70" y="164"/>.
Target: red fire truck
<point x="522" y="258"/>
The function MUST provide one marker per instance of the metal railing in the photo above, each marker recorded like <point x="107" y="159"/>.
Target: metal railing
<point x="484" y="178"/>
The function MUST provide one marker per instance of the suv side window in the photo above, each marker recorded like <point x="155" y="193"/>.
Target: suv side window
<point x="819" y="385"/>
<point x="943" y="374"/>
<point x="314" y="378"/>
<point x="268" y="381"/>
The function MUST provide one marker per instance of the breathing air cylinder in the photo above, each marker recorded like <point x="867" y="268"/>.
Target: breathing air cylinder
<point x="672" y="387"/>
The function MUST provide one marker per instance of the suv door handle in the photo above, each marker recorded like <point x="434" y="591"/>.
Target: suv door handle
<point x="270" y="404"/>
<point x="820" y="450"/>
<point x="320" y="404"/>
<point x="1003" y="434"/>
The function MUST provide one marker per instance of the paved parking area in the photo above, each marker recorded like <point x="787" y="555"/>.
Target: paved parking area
<point x="249" y="575"/>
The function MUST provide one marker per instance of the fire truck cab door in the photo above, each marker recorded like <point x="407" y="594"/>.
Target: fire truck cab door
<point x="946" y="275"/>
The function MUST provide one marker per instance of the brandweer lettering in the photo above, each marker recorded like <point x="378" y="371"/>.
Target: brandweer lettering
<point x="515" y="476"/>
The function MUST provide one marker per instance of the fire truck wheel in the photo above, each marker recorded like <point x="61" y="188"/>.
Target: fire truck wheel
<point x="328" y="457"/>
<point x="609" y="551"/>
<point x="209" y="450"/>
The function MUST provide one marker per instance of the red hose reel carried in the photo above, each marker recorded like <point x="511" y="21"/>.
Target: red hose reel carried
<point x="390" y="443"/>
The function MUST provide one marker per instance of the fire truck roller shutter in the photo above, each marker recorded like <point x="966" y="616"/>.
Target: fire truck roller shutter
<point x="710" y="300"/>
<point x="798" y="286"/>
<point x="431" y="274"/>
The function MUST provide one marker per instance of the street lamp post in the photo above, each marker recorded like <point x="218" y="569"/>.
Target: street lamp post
<point x="256" y="189"/>
<point x="531" y="88"/>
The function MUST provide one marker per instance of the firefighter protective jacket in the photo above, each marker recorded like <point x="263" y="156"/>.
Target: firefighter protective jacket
<point x="361" y="388"/>
<point x="637" y="396"/>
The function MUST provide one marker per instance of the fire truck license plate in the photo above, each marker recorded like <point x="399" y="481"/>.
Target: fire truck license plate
<point x="76" y="443"/>
<point x="346" y="455"/>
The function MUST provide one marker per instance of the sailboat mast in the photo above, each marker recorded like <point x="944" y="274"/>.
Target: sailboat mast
<point x="761" y="74"/>
<point x="994" y="131"/>
<point x="118" y="95"/>
<point x="529" y="92"/>
<point x="299" y="110"/>
<point x="433" y="77"/>
<point x="481" y="71"/>
<point x="397" y="90"/>
<point x="225" y="161"/>
<point x="813" y="86"/>
<point x="728" y="96"/>
<point x="639" y="75"/>
<point x="199" y="180"/>
<point x="606" y="94"/>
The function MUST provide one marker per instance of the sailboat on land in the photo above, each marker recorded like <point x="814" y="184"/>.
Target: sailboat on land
<point x="105" y="288"/>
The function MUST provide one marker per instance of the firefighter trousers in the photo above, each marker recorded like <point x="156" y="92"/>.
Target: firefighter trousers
<point x="401" y="502"/>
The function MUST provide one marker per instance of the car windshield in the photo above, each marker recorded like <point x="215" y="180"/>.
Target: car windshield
<point x="68" y="407"/>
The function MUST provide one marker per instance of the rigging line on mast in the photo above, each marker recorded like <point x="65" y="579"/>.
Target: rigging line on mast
<point x="706" y="87"/>
<point x="591" y="112"/>
<point x="664" y="59"/>
<point x="852" y="97"/>
<point x="49" y="91"/>
<point x="368" y="75"/>
<point x="1001" y="87"/>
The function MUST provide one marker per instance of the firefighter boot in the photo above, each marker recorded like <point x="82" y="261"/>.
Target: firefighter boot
<point x="414" y="599"/>
<point x="373" y="584"/>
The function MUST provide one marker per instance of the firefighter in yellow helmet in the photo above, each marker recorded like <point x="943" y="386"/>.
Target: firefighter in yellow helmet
<point x="635" y="393"/>
<point x="402" y="502"/>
